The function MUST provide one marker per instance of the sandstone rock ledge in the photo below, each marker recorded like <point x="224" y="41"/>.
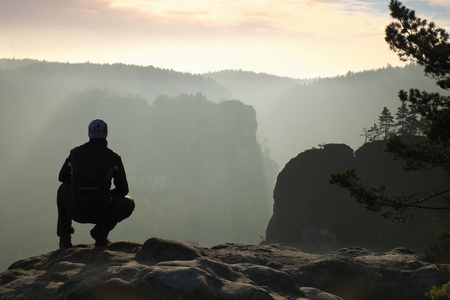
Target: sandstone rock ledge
<point x="166" y="269"/>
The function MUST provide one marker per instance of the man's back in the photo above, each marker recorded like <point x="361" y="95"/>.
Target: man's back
<point x="85" y="194"/>
<point x="92" y="166"/>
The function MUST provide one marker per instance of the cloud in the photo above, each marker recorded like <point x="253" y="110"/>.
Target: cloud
<point x="441" y="3"/>
<point x="313" y="16"/>
<point x="437" y="11"/>
<point x="322" y="18"/>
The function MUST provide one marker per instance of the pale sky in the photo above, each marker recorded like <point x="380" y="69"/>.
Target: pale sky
<point x="295" y="38"/>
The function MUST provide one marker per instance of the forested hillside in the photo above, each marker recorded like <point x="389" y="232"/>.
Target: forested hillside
<point x="335" y="110"/>
<point x="31" y="91"/>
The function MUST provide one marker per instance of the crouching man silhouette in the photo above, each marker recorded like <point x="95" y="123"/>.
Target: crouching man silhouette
<point x="85" y="195"/>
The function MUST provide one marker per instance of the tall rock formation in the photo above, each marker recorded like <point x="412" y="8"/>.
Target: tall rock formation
<point x="315" y="216"/>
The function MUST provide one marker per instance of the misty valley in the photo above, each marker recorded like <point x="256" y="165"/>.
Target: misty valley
<point x="202" y="152"/>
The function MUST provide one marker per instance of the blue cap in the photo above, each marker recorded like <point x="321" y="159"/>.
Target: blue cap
<point x="98" y="129"/>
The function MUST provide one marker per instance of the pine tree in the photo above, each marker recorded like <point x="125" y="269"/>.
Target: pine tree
<point x="401" y="117"/>
<point x="386" y="123"/>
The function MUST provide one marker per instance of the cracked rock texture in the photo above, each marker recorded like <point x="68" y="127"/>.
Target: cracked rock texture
<point x="167" y="269"/>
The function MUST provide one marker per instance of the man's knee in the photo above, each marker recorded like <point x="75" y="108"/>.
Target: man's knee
<point x="130" y="202"/>
<point x="125" y="207"/>
<point x="129" y="205"/>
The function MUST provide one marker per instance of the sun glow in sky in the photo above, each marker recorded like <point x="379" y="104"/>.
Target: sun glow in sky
<point x="296" y="38"/>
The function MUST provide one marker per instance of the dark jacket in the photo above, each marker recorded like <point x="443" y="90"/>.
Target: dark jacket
<point x="90" y="169"/>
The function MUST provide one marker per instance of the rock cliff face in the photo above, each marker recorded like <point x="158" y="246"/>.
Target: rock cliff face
<point x="167" y="269"/>
<point x="316" y="217"/>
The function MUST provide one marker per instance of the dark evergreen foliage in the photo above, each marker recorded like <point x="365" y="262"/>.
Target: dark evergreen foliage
<point x="416" y="40"/>
<point x="386" y="123"/>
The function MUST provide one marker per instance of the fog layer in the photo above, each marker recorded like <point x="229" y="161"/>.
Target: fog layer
<point x="201" y="151"/>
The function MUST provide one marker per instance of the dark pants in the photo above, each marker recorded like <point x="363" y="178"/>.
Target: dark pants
<point x="105" y="220"/>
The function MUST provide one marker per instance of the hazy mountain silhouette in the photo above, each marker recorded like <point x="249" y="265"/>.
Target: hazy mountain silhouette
<point x="254" y="88"/>
<point x="31" y="91"/>
<point x="318" y="110"/>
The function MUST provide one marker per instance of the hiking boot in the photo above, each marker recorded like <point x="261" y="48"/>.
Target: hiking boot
<point x="65" y="242"/>
<point x="100" y="236"/>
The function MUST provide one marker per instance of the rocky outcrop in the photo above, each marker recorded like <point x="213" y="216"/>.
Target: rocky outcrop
<point x="317" y="217"/>
<point x="166" y="269"/>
